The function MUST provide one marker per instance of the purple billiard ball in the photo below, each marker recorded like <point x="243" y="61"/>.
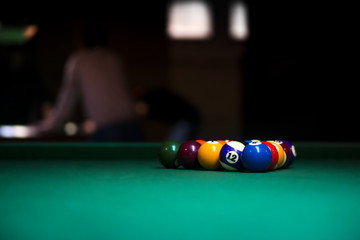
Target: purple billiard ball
<point x="187" y="154"/>
<point x="292" y="153"/>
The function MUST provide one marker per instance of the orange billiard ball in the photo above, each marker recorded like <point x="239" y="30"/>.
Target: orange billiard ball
<point x="209" y="155"/>
<point x="200" y="141"/>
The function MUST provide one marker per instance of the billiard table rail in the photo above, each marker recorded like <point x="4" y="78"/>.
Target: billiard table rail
<point x="143" y="150"/>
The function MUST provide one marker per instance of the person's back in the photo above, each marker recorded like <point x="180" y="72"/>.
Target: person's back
<point x="94" y="77"/>
<point x="102" y="86"/>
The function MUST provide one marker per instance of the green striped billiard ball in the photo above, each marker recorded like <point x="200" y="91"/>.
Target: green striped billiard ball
<point x="167" y="154"/>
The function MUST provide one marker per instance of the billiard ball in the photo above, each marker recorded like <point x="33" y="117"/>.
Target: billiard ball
<point x="256" y="156"/>
<point x="200" y="141"/>
<point x="187" y="154"/>
<point x="246" y="142"/>
<point x="274" y="154"/>
<point x="292" y="153"/>
<point x="223" y="142"/>
<point x="230" y="156"/>
<point x="282" y="155"/>
<point x="288" y="151"/>
<point x="209" y="155"/>
<point x="167" y="154"/>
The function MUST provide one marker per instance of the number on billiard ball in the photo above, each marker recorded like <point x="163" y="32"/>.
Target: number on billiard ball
<point x="232" y="157"/>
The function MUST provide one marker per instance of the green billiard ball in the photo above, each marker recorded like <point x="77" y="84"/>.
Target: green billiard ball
<point x="167" y="154"/>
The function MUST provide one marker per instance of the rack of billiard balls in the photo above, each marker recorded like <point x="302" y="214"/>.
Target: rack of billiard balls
<point x="250" y="155"/>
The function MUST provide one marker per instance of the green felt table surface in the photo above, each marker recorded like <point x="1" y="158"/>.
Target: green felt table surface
<point x="120" y="191"/>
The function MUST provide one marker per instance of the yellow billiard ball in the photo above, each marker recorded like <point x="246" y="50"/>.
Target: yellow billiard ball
<point x="209" y="155"/>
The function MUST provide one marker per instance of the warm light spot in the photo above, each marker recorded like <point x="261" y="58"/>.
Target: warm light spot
<point x="189" y="20"/>
<point x="22" y="131"/>
<point x="30" y="31"/>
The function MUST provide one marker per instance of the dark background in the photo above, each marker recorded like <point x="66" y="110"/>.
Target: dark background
<point x="296" y="74"/>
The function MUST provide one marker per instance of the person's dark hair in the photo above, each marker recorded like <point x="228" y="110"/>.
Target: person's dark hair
<point x="94" y="35"/>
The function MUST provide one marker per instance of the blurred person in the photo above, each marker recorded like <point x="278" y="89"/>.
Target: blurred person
<point x="168" y="107"/>
<point x="93" y="76"/>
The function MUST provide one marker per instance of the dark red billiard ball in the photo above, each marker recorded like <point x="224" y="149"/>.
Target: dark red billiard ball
<point x="187" y="154"/>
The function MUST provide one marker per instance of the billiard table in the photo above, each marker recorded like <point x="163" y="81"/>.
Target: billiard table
<point x="121" y="191"/>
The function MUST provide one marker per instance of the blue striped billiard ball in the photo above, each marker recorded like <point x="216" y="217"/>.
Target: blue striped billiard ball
<point x="256" y="156"/>
<point x="230" y="156"/>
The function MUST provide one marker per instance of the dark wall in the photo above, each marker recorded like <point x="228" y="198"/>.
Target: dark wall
<point x="301" y="79"/>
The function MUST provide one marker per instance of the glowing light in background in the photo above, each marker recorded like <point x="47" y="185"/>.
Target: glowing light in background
<point x="17" y="35"/>
<point x="189" y="20"/>
<point x="6" y="131"/>
<point x="17" y="131"/>
<point x="238" y="21"/>
<point x="30" y="31"/>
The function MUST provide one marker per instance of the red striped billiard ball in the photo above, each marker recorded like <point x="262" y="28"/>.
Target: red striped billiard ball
<point x="282" y="158"/>
<point x="274" y="154"/>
